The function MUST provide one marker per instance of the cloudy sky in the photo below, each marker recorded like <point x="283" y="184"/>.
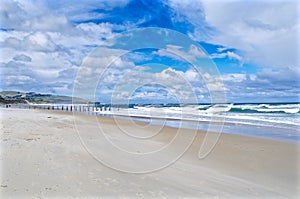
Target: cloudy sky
<point x="254" y="45"/>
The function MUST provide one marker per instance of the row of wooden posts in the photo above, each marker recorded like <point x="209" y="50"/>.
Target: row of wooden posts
<point x="71" y="108"/>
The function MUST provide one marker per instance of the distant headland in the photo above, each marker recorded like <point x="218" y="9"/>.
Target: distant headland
<point x="11" y="97"/>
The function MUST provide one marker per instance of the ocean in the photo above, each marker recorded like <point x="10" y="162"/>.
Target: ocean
<point x="269" y="120"/>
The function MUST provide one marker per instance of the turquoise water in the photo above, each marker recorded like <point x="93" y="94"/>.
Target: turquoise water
<point x="276" y="120"/>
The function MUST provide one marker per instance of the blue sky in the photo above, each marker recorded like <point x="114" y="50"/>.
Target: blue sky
<point x="254" y="45"/>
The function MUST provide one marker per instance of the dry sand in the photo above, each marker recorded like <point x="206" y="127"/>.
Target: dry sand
<point x="42" y="157"/>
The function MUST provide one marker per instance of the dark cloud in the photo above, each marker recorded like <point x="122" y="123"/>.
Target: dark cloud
<point x="265" y="86"/>
<point x="22" y="57"/>
<point x="12" y="15"/>
<point x="69" y="74"/>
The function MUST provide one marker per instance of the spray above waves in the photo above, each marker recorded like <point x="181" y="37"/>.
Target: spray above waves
<point x="253" y="108"/>
<point x="273" y="115"/>
<point x="225" y="108"/>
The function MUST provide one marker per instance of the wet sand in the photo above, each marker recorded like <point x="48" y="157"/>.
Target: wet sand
<point x="42" y="157"/>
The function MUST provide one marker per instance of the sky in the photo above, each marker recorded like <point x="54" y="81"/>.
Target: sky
<point x="46" y="47"/>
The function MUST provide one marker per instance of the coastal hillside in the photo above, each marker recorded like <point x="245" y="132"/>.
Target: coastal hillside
<point x="7" y="97"/>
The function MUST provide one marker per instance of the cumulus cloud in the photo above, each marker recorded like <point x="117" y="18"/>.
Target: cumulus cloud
<point x="260" y="35"/>
<point x="229" y="54"/>
<point x="234" y="77"/>
<point x="177" y="52"/>
<point x="168" y="84"/>
<point x="101" y="31"/>
<point x="17" y="81"/>
<point x="39" y="41"/>
<point x="123" y="78"/>
<point x="27" y="16"/>
<point x="256" y="28"/>
<point x="43" y="45"/>
<point x="266" y="85"/>
<point x="174" y="82"/>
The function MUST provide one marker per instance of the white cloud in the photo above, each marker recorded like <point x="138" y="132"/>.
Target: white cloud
<point x="39" y="41"/>
<point x="177" y="52"/>
<point x="183" y="86"/>
<point x="49" y="22"/>
<point x="221" y="49"/>
<point x="53" y="46"/>
<point x="191" y="11"/>
<point x="267" y="31"/>
<point x="234" y="77"/>
<point x="42" y="49"/>
<point x="100" y="31"/>
<point x="28" y="16"/>
<point x="229" y="54"/>
<point x="266" y="85"/>
<point x="232" y="55"/>
<point x="192" y="75"/>
<point x="16" y="80"/>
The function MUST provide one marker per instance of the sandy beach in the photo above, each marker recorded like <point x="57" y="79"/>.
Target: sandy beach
<point x="42" y="157"/>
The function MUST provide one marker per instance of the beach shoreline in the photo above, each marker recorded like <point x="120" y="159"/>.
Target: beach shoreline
<point x="278" y="133"/>
<point x="42" y="156"/>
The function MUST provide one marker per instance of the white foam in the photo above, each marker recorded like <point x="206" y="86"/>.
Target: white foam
<point x="192" y="114"/>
